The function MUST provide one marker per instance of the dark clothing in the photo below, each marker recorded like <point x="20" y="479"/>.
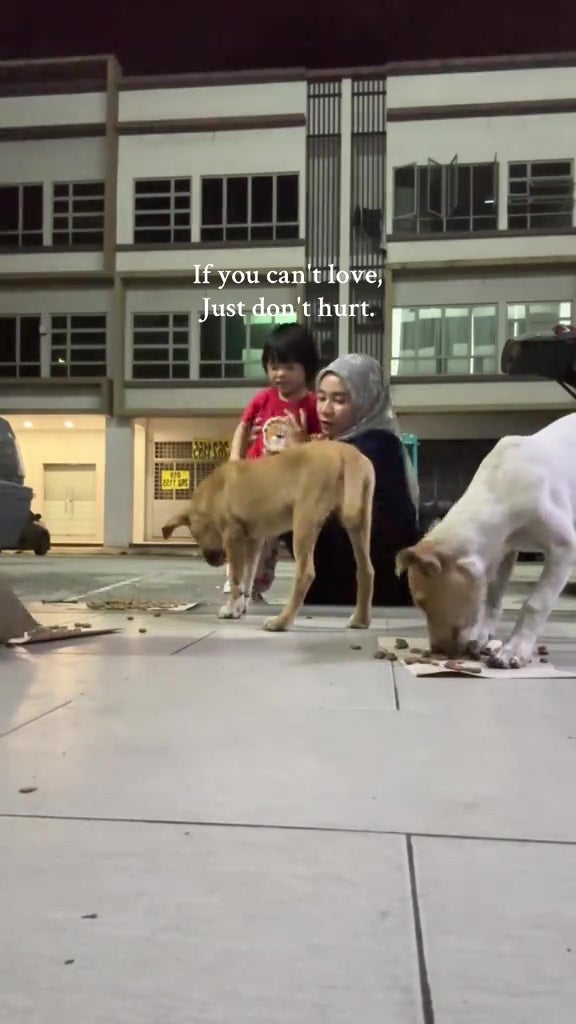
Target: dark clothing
<point x="394" y="526"/>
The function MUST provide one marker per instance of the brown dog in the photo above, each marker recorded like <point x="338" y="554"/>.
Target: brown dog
<point x="240" y="504"/>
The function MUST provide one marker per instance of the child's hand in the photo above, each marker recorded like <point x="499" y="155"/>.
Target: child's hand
<point x="298" y="427"/>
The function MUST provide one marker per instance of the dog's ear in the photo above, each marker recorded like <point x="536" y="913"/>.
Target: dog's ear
<point x="471" y="565"/>
<point x="422" y="555"/>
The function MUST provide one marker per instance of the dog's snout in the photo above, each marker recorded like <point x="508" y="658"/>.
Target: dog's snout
<point x="215" y="558"/>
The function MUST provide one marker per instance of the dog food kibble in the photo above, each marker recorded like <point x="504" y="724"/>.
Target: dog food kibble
<point x="28" y="789"/>
<point x="82" y="625"/>
<point x="157" y="615"/>
<point x="130" y="618"/>
<point x="544" y="660"/>
<point x="381" y="655"/>
<point x="355" y="647"/>
<point x="142" y="630"/>
<point x="473" y="668"/>
<point x="542" y="649"/>
<point x="416" y="650"/>
<point x="401" y="644"/>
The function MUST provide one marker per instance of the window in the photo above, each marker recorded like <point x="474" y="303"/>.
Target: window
<point x="231" y="346"/>
<point x="20" y="346"/>
<point x="536" y="317"/>
<point x="78" y="345"/>
<point x="21" y="216"/>
<point x="443" y="340"/>
<point x="441" y="199"/>
<point x="161" y="346"/>
<point x="162" y="211"/>
<point x="540" y="195"/>
<point x="78" y="213"/>
<point x="252" y="208"/>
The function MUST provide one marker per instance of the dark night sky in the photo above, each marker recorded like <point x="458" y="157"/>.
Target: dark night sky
<point x="216" y="35"/>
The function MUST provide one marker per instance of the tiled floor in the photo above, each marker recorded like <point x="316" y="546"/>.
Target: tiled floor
<point x="280" y="828"/>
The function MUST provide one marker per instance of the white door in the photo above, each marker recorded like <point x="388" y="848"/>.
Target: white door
<point x="69" y="509"/>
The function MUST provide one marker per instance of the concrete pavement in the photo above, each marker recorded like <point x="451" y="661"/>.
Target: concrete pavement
<point x="276" y="828"/>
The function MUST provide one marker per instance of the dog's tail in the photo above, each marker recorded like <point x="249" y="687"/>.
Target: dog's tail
<point x="183" y="519"/>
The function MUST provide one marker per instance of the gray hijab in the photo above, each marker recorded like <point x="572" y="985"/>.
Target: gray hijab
<point x="371" y="401"/>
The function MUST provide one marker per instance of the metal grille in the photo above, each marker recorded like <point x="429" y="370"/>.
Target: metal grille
<point x="368" y="172"/>
<point x="170" y="456"/>
<point x="367" y="332"/>
<point x="323" y="170"/>
<point x="323" y="158"/>
<point x="367" y="228"/>
<point x="172" y="449"/>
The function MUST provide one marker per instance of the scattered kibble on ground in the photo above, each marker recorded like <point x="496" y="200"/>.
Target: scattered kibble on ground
<point x="142" y="630"/>
<point x="28" y="789"/>
<point x="401" y="644"/>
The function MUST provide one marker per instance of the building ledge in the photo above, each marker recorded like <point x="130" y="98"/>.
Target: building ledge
<point x="53" y="395"/>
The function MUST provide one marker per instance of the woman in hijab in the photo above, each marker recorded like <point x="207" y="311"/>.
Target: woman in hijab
<point x="354" y="406"/>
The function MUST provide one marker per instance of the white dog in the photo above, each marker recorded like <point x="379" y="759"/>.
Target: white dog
<point x="522" y="498"/>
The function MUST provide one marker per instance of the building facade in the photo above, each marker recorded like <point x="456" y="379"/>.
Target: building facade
<point x="152" y="231"/>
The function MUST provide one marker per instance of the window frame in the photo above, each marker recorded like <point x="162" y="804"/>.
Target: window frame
<point x="442" y="358"/>
<point x="18" y="363"/>
<point x="20" y="231"/>
<point x="223" y="362"/>
<point x="422" y="188"/>
<point x="70" y="230"/>
<point x="528" y="196"/>
<point x="172" y="228"/>
<point x="567" y="320"/>
<point x="170" y="329"/>
<point x="225" y="227"/>
<point x="68" y="330"/>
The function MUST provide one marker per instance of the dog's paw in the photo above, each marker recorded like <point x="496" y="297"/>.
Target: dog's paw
<point x="275" y="625"/>
<point x="357" y="622"/>
<point x="232" y="610"/>
<point x="509" y="656"/>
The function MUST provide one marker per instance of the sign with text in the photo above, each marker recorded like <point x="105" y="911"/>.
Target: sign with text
<point x="175" y="479"/>
<point x="210" y="451"/>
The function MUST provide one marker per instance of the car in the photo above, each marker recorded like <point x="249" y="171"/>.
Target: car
<point x="34" y="536"/>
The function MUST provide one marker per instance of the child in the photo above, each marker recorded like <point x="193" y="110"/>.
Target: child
<point x="290" y="360"/>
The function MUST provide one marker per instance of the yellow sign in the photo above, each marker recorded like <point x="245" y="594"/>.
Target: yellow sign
<point x="210" y="451"/>
<point x="175" y="479"/>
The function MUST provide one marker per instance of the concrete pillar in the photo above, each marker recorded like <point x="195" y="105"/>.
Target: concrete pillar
<point x="119" y="483"/>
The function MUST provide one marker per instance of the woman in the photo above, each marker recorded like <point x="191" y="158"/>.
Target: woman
<point x="354" y="406"/>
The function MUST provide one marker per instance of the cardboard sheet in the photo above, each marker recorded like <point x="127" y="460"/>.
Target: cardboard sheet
<point x="536" y="670"/>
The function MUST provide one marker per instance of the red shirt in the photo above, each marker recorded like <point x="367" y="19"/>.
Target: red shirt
<point x="267" y="405"/>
